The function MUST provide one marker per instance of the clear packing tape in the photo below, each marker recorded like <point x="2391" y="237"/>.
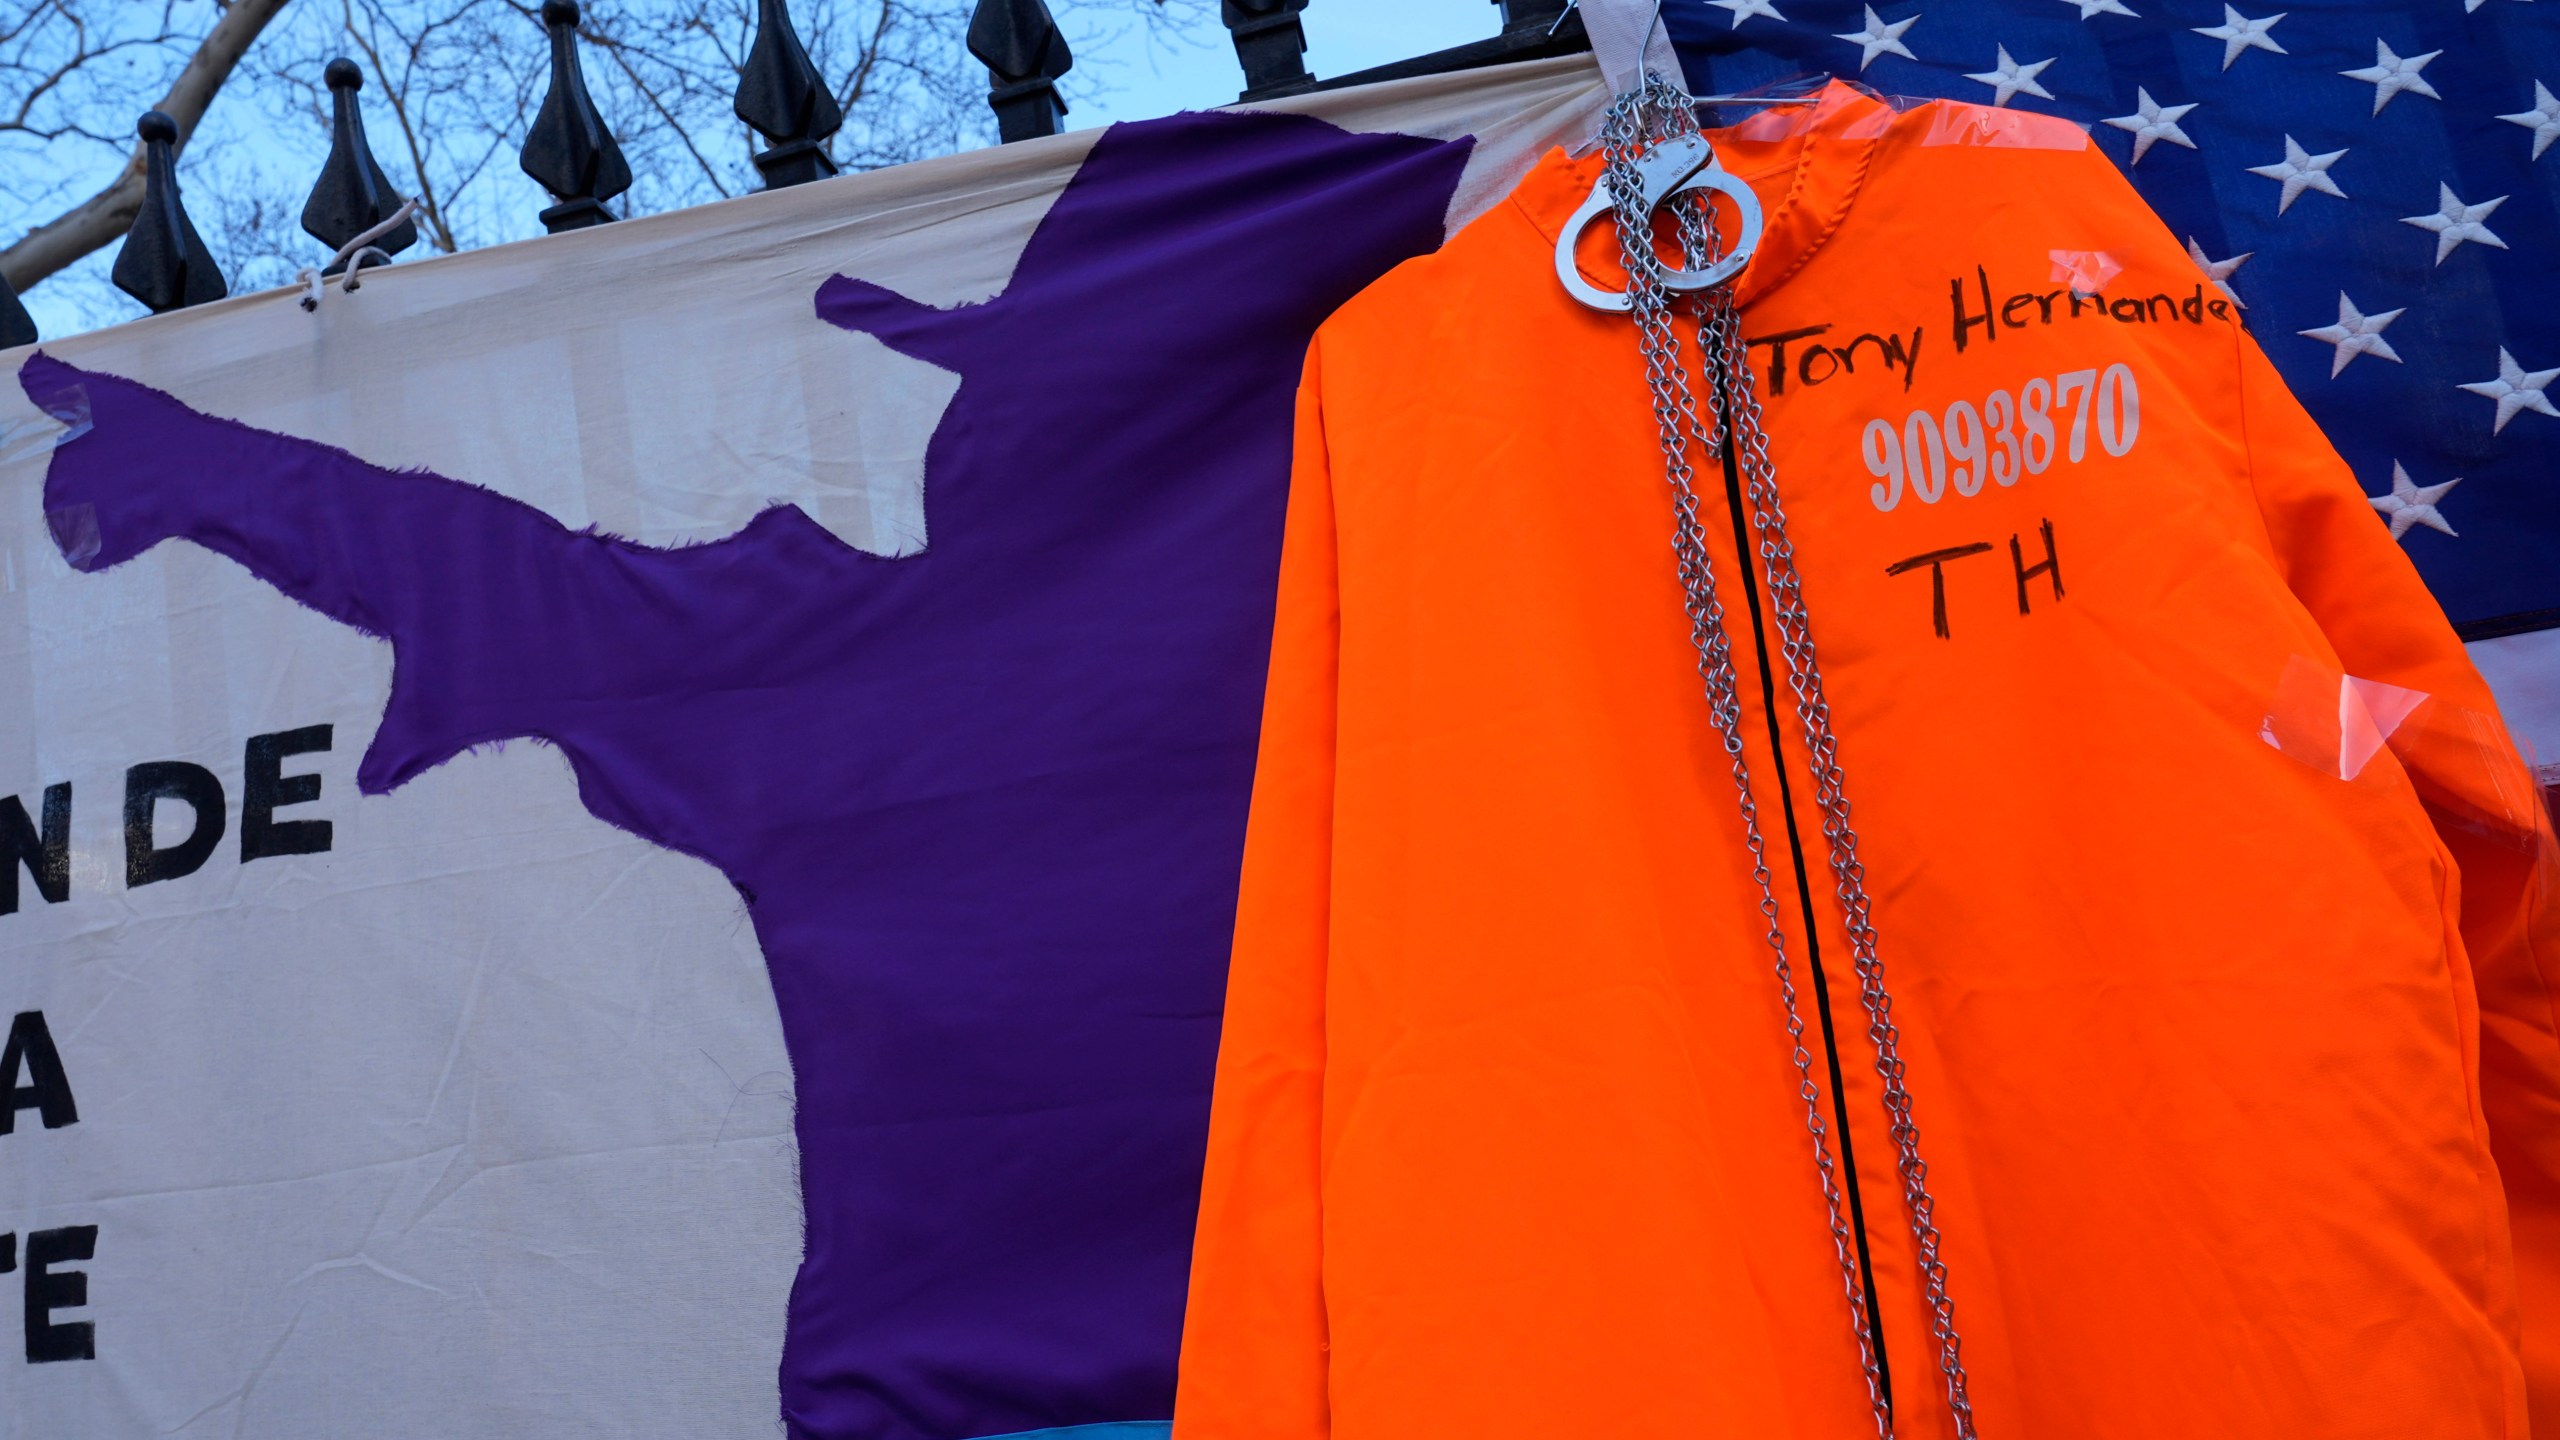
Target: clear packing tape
<point x="2465" y="768"/>
<point x="1991" y="127"/>
<point x="2085" y="271"/>
<point x="1771" y="115"/>
<point x="63" y="419"/>
<point x="26" y="448"/>
<point x="1790" y="111"/>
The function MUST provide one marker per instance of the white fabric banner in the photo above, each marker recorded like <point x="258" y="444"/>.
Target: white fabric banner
<point x="478" y="1121"/>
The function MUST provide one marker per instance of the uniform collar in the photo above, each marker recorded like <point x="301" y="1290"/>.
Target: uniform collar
<point x="1806" y="162"/>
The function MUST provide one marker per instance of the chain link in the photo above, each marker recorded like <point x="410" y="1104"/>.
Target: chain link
<point x="1638" y="121"/>
<point x="1645" y="117"/>
<point x="1730" y="389"/>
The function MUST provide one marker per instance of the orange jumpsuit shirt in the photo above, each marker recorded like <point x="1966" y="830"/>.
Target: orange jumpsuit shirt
<point x="2229" y="1027"/>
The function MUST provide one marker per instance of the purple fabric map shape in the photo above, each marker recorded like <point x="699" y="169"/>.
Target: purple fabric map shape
<point x="985" y="803"/>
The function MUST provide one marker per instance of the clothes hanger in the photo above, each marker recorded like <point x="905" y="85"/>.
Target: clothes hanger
<point x="1702" y="101"/>
<point x="1682" y="165"/>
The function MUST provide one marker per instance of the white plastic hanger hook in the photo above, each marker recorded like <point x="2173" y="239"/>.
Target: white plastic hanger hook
<point x="1571" y="6"/>
<point x="1628" y="39"/>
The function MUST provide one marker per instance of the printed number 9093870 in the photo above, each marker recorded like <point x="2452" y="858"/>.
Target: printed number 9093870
<point x="2004" y="440"/>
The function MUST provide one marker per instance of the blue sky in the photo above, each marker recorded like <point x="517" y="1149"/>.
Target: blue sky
<point x="1145" y="80"/>
<point x="1122" y="73"/>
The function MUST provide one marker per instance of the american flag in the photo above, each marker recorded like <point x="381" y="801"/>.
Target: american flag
<point x="2377" y="183"/>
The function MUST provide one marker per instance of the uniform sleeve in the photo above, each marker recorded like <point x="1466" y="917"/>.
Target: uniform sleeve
<point x="2342" y="563"/>
<point x="1254" y="1337"/>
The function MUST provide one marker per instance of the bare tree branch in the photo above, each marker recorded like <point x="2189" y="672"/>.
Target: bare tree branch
<point x="649" y="93"/>
<point x="395" y="92"/>
<point x="450" y="87"/>
<point x="97" y="221"/>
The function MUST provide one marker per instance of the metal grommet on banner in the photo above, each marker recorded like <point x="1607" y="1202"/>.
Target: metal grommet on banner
<point x="1682" y="166"/>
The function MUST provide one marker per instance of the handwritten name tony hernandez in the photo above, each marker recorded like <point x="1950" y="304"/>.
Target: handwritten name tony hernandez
<point x="1805" y="359"/>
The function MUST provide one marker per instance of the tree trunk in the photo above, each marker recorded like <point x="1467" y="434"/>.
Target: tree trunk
<point x="100" y="219"/>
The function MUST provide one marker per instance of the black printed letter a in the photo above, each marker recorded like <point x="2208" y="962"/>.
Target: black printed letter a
<point x="48" y="1090"/>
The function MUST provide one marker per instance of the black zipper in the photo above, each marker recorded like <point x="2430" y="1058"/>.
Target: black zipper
<point x="1742" y="551"/>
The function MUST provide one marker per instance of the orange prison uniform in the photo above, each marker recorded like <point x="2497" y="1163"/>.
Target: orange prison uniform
<point x="2236" y="1076"/>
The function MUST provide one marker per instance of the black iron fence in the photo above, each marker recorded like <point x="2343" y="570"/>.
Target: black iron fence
<point x="356" y="212"/>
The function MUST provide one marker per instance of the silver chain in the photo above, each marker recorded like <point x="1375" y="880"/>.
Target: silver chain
<point x="1639" y="120"/>
<point x="1720" y="341"/>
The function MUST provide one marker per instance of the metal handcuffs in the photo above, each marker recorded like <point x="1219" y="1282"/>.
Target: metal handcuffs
<point x="1673" y="168"/>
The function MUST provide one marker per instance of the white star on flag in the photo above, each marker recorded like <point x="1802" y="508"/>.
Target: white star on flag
<point x="1742" y="10"/>
<point x="2219" y="271"/>
<point x="2543" y="119"/>
<point x="2300" y="171"/>
<point x="2151" y="121"/>
<point x="2090" y="9"/>
<point x="1880" y="39"/>
<point x="2390" y="74"/>
<point x="2010" y="77"/>
<point x="2237" y="32"/>
<point x="2410" y="503"/>
<point x="2456" y="222"/>
<point x="2516" y="389"/>
<point x="2356" y="333"/>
